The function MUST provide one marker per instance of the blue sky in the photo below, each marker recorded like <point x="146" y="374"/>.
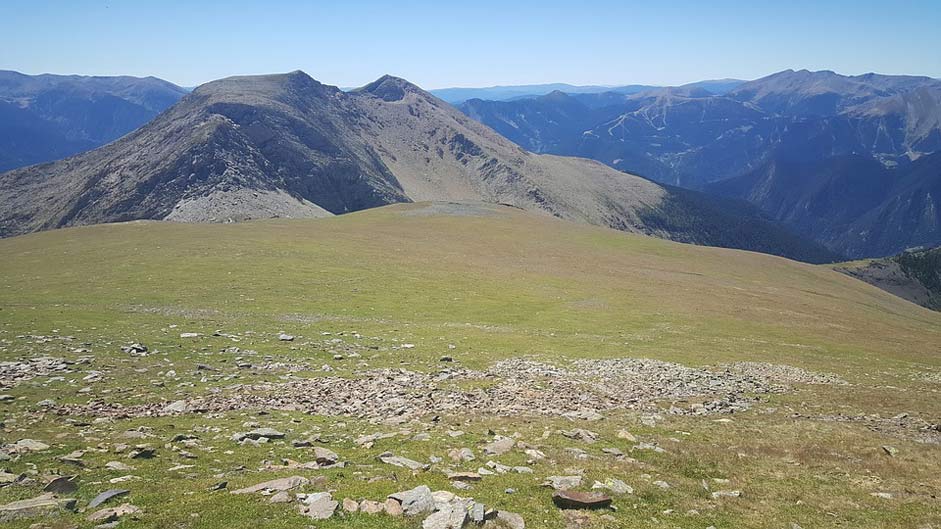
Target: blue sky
<point x="481" y="43"/>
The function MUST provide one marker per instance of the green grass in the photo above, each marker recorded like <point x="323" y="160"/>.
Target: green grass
<point x="493" y="286"/>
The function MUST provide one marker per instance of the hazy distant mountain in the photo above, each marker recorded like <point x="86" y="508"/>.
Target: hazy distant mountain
<point x="506" y="93"/>
<point x="286" y="145"/>
<point x="511" y="92"/>
<point x="816" y="135"/>
<point x="823" y="93"/>
<point x="48" y="117"/>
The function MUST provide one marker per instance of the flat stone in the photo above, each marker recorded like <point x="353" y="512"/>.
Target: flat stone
<point x="30" y="445"/>
<point x="563" y="482"/>
<point x="275" y="485"/>
<point x="464" y="476"/>
<point x="415" y="501"/>
<point x="500" y="446"/>
<point x="319" y="506"/>
<point x="107" y="495"/>
<point x="62" y="485"/>
<point x="614" y="485"/>
<point x="624" y="434"/>
<point x="41" y="505"/>
<point x="461" y="454"/>
<point x="113" y="513"/>
<point x="285" y="337"/>
<point x="6" y="478"/>
<point x="448" y="516"/>
<point x="570" y="499"/>
<point x="325" y="456"/>
<point x="890" y="450"/>
<point x="281" y="497"/>
<point x="178" y="406"/>
<point x="350" y="505"/>
<point x="403" y="462"/>
<point x="258" y="433"/>
<point x="581" y="434"/>
<point x="726" y="494"/>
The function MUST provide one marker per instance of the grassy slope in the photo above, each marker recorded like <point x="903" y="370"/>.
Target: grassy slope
<point x="495" y="285"/>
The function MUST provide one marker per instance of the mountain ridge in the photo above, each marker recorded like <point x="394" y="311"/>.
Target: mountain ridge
<point x="287" y="145"/>
<point x="759" y="129"/>
<point x="49" y="117"/>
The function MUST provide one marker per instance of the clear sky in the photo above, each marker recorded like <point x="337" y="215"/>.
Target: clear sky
<point x="480" y="43"/>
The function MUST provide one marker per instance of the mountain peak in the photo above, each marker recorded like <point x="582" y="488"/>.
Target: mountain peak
<point x="267" y="85"/>
<point x="390" y="88"/>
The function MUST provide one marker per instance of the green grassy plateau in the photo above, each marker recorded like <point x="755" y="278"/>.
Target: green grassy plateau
<point x="480" y="284"/>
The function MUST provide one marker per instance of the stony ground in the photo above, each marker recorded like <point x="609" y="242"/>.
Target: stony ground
<point x="595" y="384"/>
<point x="322" y="434"/>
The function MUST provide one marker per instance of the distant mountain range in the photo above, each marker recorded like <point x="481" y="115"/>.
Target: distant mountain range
<point x="507" y="93"/>
<point x="843" y="159"/>
<point x="49" y="117"/>
<point x="288" y="146"/>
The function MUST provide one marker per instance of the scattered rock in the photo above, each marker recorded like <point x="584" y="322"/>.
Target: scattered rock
<point x="400" y="461"/>
<point x="614" y="485"/>
<point x="275" y="485"/>
<point x="178" y="406"/>
<point x="726" y="494"/>
<point x="113" y="513"/>
<point x="563" y="482"/>
<point x="580" y="434"/>
<point x="415" y="501"/>
<point x="890" y="450"/>
<point x="258" y="433"/>
<point x="282" y="496"/>
<point x="319" y="506"/>
<point x="44" y="504"/>
<point x="285" y="337"/>
<point x="29" y="445"/>
<point x="135" y="349"/>
<point x="325" y="456"/>
<point x="62" y="485"/>
<point x="371" y="507"/>
<point x="461" y="454"/>
<point x="499" y="446"/>
<point x="624" y="434"/>
<point x="464" y="476"/>
<point x="570" y="499"/>
<point x="107" y="495"/>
